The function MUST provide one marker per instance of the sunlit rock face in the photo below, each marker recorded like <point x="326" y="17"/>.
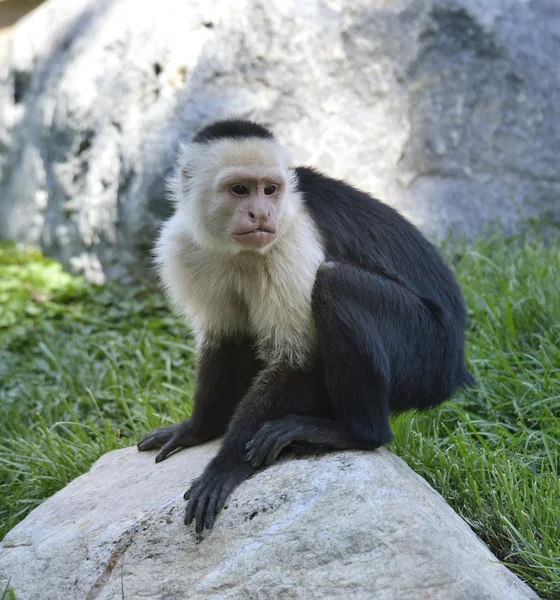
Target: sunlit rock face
<point x="358" y="525"/>
<point x="447" y="110"/>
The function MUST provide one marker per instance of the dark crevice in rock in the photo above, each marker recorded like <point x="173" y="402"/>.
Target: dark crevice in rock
<point x="21" y="85"/>
<point x="85" y="144"/>
<point x="121" y="546"/>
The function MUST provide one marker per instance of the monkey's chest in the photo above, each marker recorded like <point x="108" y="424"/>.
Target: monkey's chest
<point x="273" y="309"/>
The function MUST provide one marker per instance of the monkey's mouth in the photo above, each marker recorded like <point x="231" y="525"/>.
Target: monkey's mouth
<point x="255" y="238"/>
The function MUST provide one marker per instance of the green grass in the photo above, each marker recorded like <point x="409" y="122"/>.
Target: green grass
<point x="84" y="370"/>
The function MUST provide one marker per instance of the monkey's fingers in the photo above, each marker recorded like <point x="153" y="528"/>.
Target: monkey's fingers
<point x="202" y="507"/>
<point x="167" y="449"/>
<point x="269" y="441"/>
<point x="194" y="495"/>
<point x="191" y="506"/>
<point x="202" y="503"/>
<point x="208" y="494"/>
<point x="156" y="438"/>
<point x="193" y="488"/>
<point x="222" y="499"/>
<point x="211" y="508"/>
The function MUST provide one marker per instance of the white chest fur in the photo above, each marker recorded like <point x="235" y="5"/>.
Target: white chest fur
<point x="267" y="295"/>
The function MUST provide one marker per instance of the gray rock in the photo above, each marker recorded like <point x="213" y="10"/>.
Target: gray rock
<point x="446" y="109"/>
<point x="344" y="525"/>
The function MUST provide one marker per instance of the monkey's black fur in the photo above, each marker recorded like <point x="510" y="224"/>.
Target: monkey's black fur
<point x="407" y="294"/>
<point x="389" y="320"/>
<point x="233" y="129"/>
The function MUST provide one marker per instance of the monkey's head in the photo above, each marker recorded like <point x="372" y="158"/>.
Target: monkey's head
<point x="234" y="187"/>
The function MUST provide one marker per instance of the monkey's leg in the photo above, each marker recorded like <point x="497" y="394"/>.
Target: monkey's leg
<point x="274" y="393"/>
<point x="225" y="370"/>
<point x="376" y="339"/>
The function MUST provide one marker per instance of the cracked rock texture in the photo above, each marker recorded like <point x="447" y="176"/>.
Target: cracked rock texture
<point x="446" y="109"/>
<point x="357" y="525"/>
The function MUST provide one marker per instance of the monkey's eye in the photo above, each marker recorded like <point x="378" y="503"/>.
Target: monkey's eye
<point x="270" y="189"/>
<point x="240" y="190"/>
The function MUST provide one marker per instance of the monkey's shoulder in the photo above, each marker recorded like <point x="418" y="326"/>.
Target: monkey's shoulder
<point x="334" y="201"/>
<point x="355" y="226"/>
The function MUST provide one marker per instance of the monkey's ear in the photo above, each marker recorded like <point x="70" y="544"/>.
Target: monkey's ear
<point x="184" y="161"/>
<point x="178" y="183"/>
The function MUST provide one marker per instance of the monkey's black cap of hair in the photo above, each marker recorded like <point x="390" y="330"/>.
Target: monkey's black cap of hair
<point x="232" y="128"/>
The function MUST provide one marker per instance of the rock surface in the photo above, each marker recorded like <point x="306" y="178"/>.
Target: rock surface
<point x="344" y="525"/>
<point x="447" y="109"/>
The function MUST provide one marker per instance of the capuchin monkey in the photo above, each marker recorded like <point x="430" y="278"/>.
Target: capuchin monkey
<point x="317" y="310"/>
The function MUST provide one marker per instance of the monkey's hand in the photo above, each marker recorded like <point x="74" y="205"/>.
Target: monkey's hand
<point x="271" y="439"/>
<point x="208" y="494"/>
<point x="169" y="439"/>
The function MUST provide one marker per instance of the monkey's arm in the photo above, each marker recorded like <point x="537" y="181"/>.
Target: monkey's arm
<point x="225" y="370"/>
<point x="275" y="392"/>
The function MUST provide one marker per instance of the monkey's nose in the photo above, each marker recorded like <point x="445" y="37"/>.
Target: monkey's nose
<point x="259" y="217"/>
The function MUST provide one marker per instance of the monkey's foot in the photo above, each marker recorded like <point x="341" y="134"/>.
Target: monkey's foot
<point x="271" y="439"/>
<point x="208" y="494"/>
<point x="169" y="439"/>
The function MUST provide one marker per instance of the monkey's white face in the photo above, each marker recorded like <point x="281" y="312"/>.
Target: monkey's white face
<point x="236" y="194"/>
<point x="246" y="205"/>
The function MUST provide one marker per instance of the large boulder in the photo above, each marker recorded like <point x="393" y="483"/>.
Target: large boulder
<point x="447" y="109"/>
<point x="345" y="525"/>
